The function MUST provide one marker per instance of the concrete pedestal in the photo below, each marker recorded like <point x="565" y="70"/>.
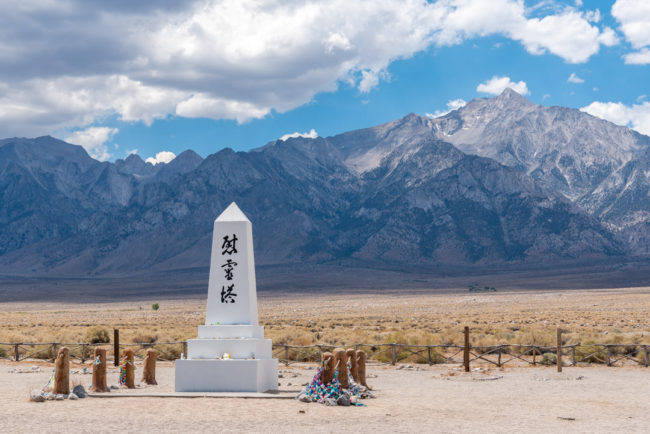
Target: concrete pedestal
<point x="250" y="368"/>
<point x="193" y="375"/>
<point x="231" y="325"/>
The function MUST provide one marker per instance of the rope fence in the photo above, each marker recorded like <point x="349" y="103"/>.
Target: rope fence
<point x="380" y="353"/>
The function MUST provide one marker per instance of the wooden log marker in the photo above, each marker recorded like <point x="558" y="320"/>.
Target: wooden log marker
<point x="361" y="367"/>
<point x="99" y="371"/>
<point x="329" y="366"/>
<point x="342" y="360"/>
<point x="352" y="357"/>
<point x="128" y="364"/>
<point x="559" y="349"/>
<point x="149" y="371"/>
<point x="116" y="347"/>
<point x="62" y="374"/>
<point x="466" y="350"/>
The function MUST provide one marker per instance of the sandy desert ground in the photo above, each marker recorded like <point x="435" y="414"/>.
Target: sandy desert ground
<point x="347" y="317"/>
<point x="437" y="398"/>
<point x="431" y="399"/>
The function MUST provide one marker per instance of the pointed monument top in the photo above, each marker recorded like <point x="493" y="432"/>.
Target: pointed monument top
<point x="232" y="214"/>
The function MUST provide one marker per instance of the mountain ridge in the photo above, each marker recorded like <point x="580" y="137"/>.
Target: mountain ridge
<point x="400" y="194"/>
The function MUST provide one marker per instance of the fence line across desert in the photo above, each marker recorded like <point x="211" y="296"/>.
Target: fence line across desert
<point x="388" y="353"/>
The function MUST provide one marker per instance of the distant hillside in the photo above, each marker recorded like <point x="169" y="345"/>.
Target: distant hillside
<point x="500" y="181"/>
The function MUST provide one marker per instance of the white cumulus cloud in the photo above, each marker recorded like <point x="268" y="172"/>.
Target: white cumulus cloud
<point x="496" y="85"/>
<point x="573" y="78"/>
<point x="453" y="104"/>
<point x="636" y="116"/>
<point x="93" y="140"/>
<point x="568" y="33"/>
<point x="641" y="57"/>
<point x="163" y="157"/>
<point x="312" y="134"/>
<point x="239" y="59"/>
<point x="634" y="19"/>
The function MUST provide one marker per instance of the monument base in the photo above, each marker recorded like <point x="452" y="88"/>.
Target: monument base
<point x="251" y="375"/>
<point x="247" y="348"/>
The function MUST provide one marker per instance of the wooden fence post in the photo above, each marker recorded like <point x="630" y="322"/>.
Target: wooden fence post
<point x="149" y="368"/>
<point x="83" y="353"/>
<point x="647" y="356"/>
<point x="559" y="350"/>
<point x="99" y="371"/>
<point x="342" y="362"/>
<point x="185" y="349"/>
<point x="62" y="372"/>
<point x="129" y="366"/>
<point x="499" y="357"/>
<point x="16" y="354"/>
<point x="573" y="355"/>
<point x="466" y="349"/>
<point x="393" y="358"/>
<point x="286" y="355"/>
<point x="534" y="354"/>
<point x="429" y="354"/>
<point x="361" y="361"/>
<point x="54" y="351"/>
<point x="609" y="361"/>
<point x="116" y="346"/>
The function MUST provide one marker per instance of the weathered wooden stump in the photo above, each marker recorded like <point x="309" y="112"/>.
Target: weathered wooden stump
<point x="361" y="368"/>
<point x="342" y="361"/>
<point x="127" y="365"/>
<point x="99" y="371"/>
<point x="149" y="370"/>
<point x="352" y="356"/>
<point x="62" y="374"/>
<point x="329" y="366"/>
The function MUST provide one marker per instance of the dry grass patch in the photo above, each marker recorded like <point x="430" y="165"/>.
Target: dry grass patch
<point x="343" y="319"/>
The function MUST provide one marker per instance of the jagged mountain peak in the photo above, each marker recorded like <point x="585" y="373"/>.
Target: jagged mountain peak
<point x="492" y="182"/>
<point x="46" y="154"/>
<point x="133" y="158"/>
<point x="511" y="96"/>
<point x="565" y="149"/>
<point x="184" y="162"/>
<point x="135" y="165"/>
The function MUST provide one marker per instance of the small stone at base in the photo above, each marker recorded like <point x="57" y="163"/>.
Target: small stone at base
<point x="79" y="391"/>
<point x="343" y="400"/>
<point x="36" y="396"/>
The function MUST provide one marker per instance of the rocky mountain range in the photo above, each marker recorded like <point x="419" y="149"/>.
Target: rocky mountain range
<point x="499" y="181"/>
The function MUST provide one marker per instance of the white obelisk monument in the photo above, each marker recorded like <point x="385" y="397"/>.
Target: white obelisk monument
<point x="230" y="354"/>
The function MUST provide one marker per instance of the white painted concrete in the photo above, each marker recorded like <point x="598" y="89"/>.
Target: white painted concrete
<point x="230" y="331"/>
<point x="232" y="240"/>
<point x="236" y="348"/>
<point x="231" y="320"/>
<point x="226" y="375"/>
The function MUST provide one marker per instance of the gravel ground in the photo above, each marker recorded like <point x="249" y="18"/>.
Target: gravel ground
<point x="418" y="399"/>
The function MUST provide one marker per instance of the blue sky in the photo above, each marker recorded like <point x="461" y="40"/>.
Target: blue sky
<point x="207" y="75"/>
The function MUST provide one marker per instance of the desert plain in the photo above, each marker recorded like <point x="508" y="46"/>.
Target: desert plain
<point x="409" y="397"/>
<point x="346" y="317"/>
